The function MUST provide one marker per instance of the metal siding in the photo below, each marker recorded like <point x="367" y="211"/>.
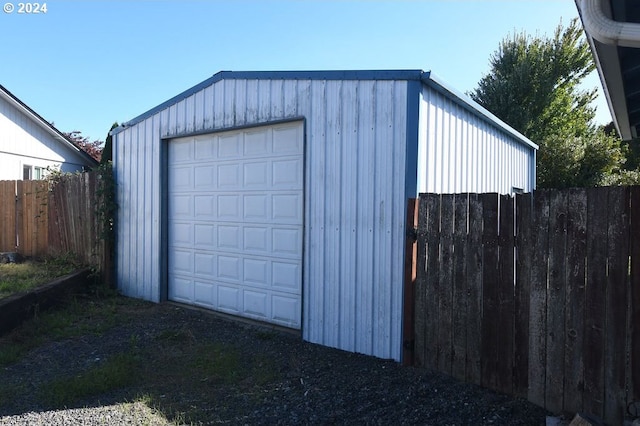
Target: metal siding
<point x="461" y="152"/>
<point x="354" y="205"/>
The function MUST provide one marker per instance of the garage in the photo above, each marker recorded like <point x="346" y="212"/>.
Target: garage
<point x="281" y="196"/>
<point x="235" y="216"/>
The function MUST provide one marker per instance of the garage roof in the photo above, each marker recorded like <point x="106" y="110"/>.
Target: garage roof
<point x="426" y="77"/>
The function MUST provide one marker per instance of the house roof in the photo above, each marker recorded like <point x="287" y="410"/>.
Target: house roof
<point x="44" y="124"/>
<point x="618" y="65"/>
<point x="425" y="77"/>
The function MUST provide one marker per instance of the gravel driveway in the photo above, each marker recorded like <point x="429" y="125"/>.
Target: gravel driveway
<point x="299" y="383"/>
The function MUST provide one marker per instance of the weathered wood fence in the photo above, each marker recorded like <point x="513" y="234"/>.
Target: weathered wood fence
<point x="535" y="296"/>
<point x="40" y="219"/>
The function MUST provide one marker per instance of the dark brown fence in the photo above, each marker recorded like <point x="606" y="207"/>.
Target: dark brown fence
<point x="535" y="296"/>
<point x="40" y="219"/>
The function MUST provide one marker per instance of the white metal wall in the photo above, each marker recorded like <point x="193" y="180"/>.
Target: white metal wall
<point x="23" y="142"/>
<point x="463" y="152"/>
<point x="354" y="203"/>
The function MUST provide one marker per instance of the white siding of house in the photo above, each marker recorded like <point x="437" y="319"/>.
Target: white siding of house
<point x="355" y="152"/>
<point x="24" y="142"/>
<point x="463" y="152"/>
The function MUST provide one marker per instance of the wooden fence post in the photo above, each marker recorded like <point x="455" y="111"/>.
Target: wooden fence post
<point x="410" y="261"/>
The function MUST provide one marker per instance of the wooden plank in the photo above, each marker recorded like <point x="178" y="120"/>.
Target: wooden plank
<point x="8" y="215"/>
<point x="556" y="293"/>
<point x="433" y="281"/>
<point x="445" y="290"/>
<point x="410" y="253"/>
<point x="524" y="225"/>
<point x="575" y="299"/>
<point x="616" y="305"/>
<point x="506" y="308"/>
<point x="19" y="216"/>
<point x="634" y="220"/>
<point x="421" y="283"/>
<point x="460" y="295"/>
<point x="490" y="283"/>
<point x="595" y="296"/>
<point x="474" y="291"/>
<point x="538" y="299"/>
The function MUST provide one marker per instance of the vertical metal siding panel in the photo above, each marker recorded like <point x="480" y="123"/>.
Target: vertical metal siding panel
<point x="218" y="105"/>
<point x="348" y="201"/>
<point x="290" y="100"/>
<point x="228" y="104"/>
<point x="315" y="192"/>
<point x="208" y="121"/>
<point x="277" y="99"/>
<point x="264" y="100"/>
<point x="125" y="207"/>
<point x="189" y="113"/>
<point x="149" y="212"/>
<point x="398" y="230"/>
<point x="365" y="218"/>
<point x="138" y="206"/>
<point x="198" y="113"/>
<point x="333" y="182"/>
<point x="252" y="101"/>
<point x="241" y="103"/>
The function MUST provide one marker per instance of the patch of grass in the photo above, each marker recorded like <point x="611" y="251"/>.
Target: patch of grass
<point x="117" y="372"/>
<point x="217" y="363"/>
<point x="21" y="277"/>
<point x="79" y="317"/>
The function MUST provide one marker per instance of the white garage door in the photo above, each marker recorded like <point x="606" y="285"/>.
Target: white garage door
<point x="235" y="211"/>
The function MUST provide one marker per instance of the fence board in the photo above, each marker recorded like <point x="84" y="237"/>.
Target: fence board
<point x="445" y="290"/>
<point x="522" y="294"/>
<point x="474" y="290"/>
<point x="575" y="299"/>
<point x="634" y="345"/>
<point x="460" y="298"/>
<point x="616" y="314"/>
<point x="556" y="301"/>
<point x="433" y="280"/>
<point x="490" y="283"/>
<point x="8" y="215"/>
<point x="595" y="296"/>
<point x="422" y="326"/>
<point x="505" y="333"/>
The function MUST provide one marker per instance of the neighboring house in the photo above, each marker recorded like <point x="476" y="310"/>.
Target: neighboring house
<point x="281" y="196"/>
<point x="29" y="145"/>
<point x="613" y="31"/>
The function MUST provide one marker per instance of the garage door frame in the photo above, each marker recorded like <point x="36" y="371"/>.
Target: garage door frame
<point x="164" y="203"/>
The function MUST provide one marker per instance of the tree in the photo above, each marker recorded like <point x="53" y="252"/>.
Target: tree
<point x="107" y="152"/>
<point x="534" y="86"/>
<point x="94" y="149"/>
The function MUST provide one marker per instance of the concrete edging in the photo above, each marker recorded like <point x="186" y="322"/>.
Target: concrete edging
<point x="17" y="308"/>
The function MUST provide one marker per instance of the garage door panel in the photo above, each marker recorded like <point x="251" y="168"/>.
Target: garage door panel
<point x="286" y="208"/>
<point x="235" y="222"/>
<point x="228" y="207"/>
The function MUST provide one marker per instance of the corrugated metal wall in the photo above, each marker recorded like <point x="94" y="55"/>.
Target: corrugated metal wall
<point x="354" y="197"/>
<point x="463" y="152"/>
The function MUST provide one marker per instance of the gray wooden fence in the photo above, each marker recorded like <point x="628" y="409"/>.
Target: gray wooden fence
<point x="535" y="296"/>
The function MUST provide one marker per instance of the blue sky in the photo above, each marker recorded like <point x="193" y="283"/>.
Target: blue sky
<point x="85" y="64"/>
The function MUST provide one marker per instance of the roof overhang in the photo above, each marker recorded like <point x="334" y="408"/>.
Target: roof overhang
<point x="43" y="124"/>
<point x="613" y="33"/>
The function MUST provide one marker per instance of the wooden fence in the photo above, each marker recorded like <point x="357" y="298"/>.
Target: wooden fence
<point x="535" y="296"/>
<point x="41" y="219"/>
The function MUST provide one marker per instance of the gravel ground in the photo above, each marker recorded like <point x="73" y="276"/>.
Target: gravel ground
<point x="304" y="383"/>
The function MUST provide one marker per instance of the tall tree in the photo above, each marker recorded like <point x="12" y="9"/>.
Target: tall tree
<point x="94" y="149"/>
<point x="534" y="86"/>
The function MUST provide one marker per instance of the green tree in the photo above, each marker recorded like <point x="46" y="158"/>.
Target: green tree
<point x="107" y="152"/>
<point x="534" y="86"/>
